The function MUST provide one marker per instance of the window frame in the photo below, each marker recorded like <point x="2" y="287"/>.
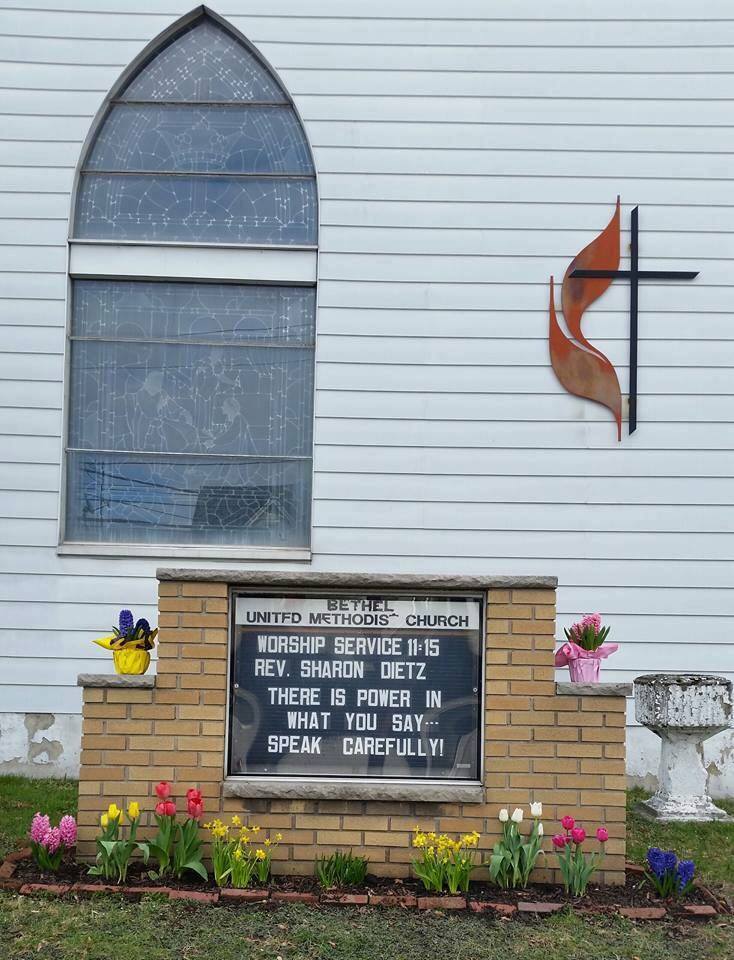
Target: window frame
<point x="247" y="263"/>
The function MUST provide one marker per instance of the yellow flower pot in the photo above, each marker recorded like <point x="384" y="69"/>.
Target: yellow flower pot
<point x="131" y="661"/>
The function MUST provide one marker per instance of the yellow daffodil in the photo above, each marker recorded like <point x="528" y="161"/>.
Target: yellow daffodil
<point x="278" y="837"/>
<point x="133" y="810"/>
<point x="255" y="829"/>
<point x="268" y="842"/>
<point x="236" y="822"/>
<point x="237" y="855"/>
<point x="260" y="854"/>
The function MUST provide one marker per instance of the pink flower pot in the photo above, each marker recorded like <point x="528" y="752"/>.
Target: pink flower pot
<point x="584" y="670"/>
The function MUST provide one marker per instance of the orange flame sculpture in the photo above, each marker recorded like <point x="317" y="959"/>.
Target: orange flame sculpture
<point x="581" y="368"/>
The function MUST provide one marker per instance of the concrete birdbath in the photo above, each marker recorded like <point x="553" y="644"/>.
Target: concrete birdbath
<point x="683" y="710"/>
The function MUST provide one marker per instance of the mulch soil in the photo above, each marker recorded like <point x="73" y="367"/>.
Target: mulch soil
<point x="636" y="893"/>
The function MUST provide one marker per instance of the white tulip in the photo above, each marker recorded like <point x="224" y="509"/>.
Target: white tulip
<point x="536" y="809"/>
<point x="517" y="815"/>
<point x="504" y="815"/>
<point x="541" y="831"/>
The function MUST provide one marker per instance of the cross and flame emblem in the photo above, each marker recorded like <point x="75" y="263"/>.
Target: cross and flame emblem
<point x="582" y="368"/>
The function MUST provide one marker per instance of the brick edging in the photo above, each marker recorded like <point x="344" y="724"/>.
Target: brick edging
<point x="332" y="899"/>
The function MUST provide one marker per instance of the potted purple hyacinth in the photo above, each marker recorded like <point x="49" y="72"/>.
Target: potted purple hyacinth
<point x="584" y="649"/>
<point x="130" y="643"/>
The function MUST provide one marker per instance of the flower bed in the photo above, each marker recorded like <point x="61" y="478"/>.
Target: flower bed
<point x="634" y="900"/>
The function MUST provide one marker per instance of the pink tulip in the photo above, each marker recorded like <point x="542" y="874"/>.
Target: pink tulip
<point x="602" y="834"/>
<point x="559" y="841"/>
<point x="163" y="790"/>
<point x="568" y="823"/>
<point x="578" y="835"/>
<point x="166" y="808"/>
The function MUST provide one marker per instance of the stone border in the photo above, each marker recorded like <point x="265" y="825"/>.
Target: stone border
<point x="284" y="788"/>
<point x="127" y="680"/>
<point x="355" y="581"/>
<point x="332" y="898"/>
<point x="566" y="688"/>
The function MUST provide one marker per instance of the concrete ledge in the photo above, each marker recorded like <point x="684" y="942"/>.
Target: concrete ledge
<point x="304" y="789"/>
<point x="356" y="581"/>
<point x="115" y="680"/>
<point x="594" y="689"/>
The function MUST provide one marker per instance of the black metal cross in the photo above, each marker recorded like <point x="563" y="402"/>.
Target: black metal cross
<point x="634" y="274"/>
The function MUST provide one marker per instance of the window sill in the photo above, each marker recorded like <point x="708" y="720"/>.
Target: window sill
<point x="175" y="552"/>
<point x="297" y="788"/>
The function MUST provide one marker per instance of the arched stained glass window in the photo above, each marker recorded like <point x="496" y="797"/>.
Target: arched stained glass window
<point x="202" y="145"/>
<point x="193" y="270"/>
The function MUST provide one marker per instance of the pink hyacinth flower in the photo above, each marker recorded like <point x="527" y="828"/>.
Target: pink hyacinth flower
<point x="40" y="826"/>
<point x="591" y="620"/>
<point x="67" y="830"/>
<point x="52" y="840"/>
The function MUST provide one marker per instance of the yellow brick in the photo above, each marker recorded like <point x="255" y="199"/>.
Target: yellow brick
<point x="612" y="782"/>
<point x="600" y="734"/>
<point x="103" y="742"/>
<point x="204" y="589"/>
<point x="606" y="798"/>
<point x="126" y="756"/>
<point x="205" y="620"/>
<point x="374" y="838"/>
<point x="578" y="750"/>
<point x="203" y="651"/>
<point x="180" y="605"/>
<point x="129" y="696"/>
<point x="534" y="596"/>
<point x="539" y="657"/>
<point x="189" y="697"/>
<point x="604" y="704"/>
<point x="151" y="773"/>
<point x="556" y="765"/>
<point x="212" y="758"/>
<point x="534" y="717"/>
<point x="215" y="636"/>
<point x="513" y="611"/>
<point x="176" y="665"/>
<point x="498" y="596"/>
<point x="507" y="733"/>
<point x="543" y="612"/>
<point x="532" y="749"/>
<point x="339" y="837"/>
<point x="92" y="726"/>
<point x="90" y="758"/>
<point x="214" y="696"/>
<point x="202" y="682"/>
<point x="178" y="727"/>
<point x="534" y="781"/>
<point x="501" y="672"/>
<point x="219" y="605"/>
<point x="105" y="711"/>
<point x="151" y="742"/>
<point x="202" y="713"/>
<point x="535" y="627"/>
<point x="610" y="767"/>
<point x="173" y="757"/>
<point x="93" y="695"/>
<point x="152" y="711"/>
<point x="577" y="719"/>
<point x="167" y="588"/>
<point x="556" y="733"/>
<point x="497" y="656"/>
<point x="129" y="726"/>
<point x="498" y="626"/>
<point x="200" y="742"/>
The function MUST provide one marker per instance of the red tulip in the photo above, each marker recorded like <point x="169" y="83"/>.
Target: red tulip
<point x="163" y="790"/>
<point x="193" y="794"/>
<point x="578" y="835"/>
<point x="602" y="834"/>
<point x="195" y="808"/>
<point x="559" y="841"/>
<point x="166" y="808"/>
<point x="568" y="823"/>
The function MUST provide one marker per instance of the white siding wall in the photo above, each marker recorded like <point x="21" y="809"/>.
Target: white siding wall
<point x="465" y="152"/>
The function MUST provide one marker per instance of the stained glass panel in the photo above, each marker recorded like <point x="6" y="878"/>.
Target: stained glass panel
<point x="178" y="500"/>
<point x="197" y="209"/>
<point x="205" y="63"/>
<point x="211" y="312"/>
<point x="201" y="140"/>
<point x="189" y="398"/>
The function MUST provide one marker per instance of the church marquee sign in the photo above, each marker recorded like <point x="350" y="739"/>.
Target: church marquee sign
<point x="356" y="685"/>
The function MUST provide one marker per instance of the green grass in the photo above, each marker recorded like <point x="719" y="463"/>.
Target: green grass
<point x="710" y="845"/>
<point x="106" y="927"/>
<point x="153" y="930"/>
<point x="20" y="798"/>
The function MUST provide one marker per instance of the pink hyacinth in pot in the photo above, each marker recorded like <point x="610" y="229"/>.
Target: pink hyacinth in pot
<point x="584" y="649"/>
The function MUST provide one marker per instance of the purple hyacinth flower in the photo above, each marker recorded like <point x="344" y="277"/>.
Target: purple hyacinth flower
<point x="656" y="861"/>
<point x="143" y="625"/>
<point x="686" y="869"/>
<point x="126" y="622"/>
<point x="670" y="860"/>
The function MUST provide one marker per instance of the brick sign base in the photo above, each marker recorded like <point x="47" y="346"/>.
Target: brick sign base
<point x="567" y="750"/>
